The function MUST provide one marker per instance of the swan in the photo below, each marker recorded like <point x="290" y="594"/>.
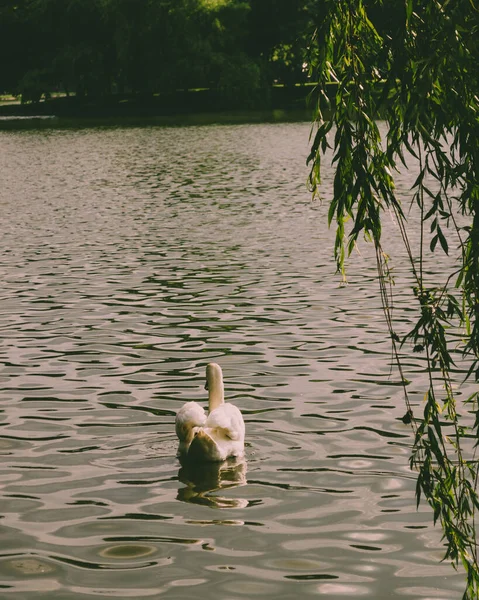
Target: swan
<point x="213" y="437"/>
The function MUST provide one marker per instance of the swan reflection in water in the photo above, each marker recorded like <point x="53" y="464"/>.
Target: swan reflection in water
<point x="203" y="479"/>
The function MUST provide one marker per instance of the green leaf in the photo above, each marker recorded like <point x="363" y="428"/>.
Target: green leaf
<point x="408" y="10"/>
<point x="442" y="240"/>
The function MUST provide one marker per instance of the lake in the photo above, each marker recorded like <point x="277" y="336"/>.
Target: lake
<point x="132" y="257"/>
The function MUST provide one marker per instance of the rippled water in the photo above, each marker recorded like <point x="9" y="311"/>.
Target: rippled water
<point x="131" y="258"/>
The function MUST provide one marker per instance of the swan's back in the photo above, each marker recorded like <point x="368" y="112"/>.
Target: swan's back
<point x="228" y="419"/>
<point x="221" y="437"/>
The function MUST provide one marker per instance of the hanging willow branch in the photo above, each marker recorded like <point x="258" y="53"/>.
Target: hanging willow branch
<point x="414" y="64"/>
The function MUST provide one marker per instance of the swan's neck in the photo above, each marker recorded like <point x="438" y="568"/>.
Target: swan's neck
<point x="216" y="393"/>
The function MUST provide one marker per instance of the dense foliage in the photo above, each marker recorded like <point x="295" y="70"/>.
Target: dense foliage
<point x="102" y="47"/>
<point x="414" y="63"/>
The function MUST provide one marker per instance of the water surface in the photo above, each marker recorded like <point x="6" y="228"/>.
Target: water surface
<point x="130" y="258"/>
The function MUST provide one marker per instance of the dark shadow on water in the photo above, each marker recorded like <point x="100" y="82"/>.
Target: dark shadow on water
<point x="203" y="479"/>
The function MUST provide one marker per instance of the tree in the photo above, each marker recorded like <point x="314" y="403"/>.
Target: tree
<point x="12" y="43"/>
<point x="279" y="31"/>
<point x="418" y="71"/>
<point x="98" y="47"/>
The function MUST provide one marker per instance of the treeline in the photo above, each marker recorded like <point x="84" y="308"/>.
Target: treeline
<point x="97" y="48"/>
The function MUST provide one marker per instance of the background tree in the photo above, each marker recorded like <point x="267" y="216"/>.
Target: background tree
<point x="13" y="47"/>
<point x="418" y="71"/>
<point x="279" y="35"/>
<point x="99" y="47"/>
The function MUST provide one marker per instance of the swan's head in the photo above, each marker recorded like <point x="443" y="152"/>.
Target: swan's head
<point x="214" y="385"/>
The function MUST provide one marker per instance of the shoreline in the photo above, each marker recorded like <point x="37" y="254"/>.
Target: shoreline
<point x="38" y="121"/>
<point x="183" y="107"/>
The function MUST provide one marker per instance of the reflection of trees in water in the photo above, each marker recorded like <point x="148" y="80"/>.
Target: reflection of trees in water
<point x="203" y="479"/>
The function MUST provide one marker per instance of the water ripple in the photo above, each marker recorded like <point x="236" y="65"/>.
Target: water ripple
<point x="133" y="257"/>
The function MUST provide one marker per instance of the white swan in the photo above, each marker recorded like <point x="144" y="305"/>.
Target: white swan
<point x="214" y="437"/>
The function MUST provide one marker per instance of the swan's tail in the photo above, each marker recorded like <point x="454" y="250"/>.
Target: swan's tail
<point x="204" y="448"/>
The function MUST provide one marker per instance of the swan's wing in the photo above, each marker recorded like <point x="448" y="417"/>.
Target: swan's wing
<point x="228" y="419"/>
<point x="190" y="415"/>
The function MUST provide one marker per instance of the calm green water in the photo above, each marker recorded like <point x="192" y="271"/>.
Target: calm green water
<point x="131" y="258"/>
